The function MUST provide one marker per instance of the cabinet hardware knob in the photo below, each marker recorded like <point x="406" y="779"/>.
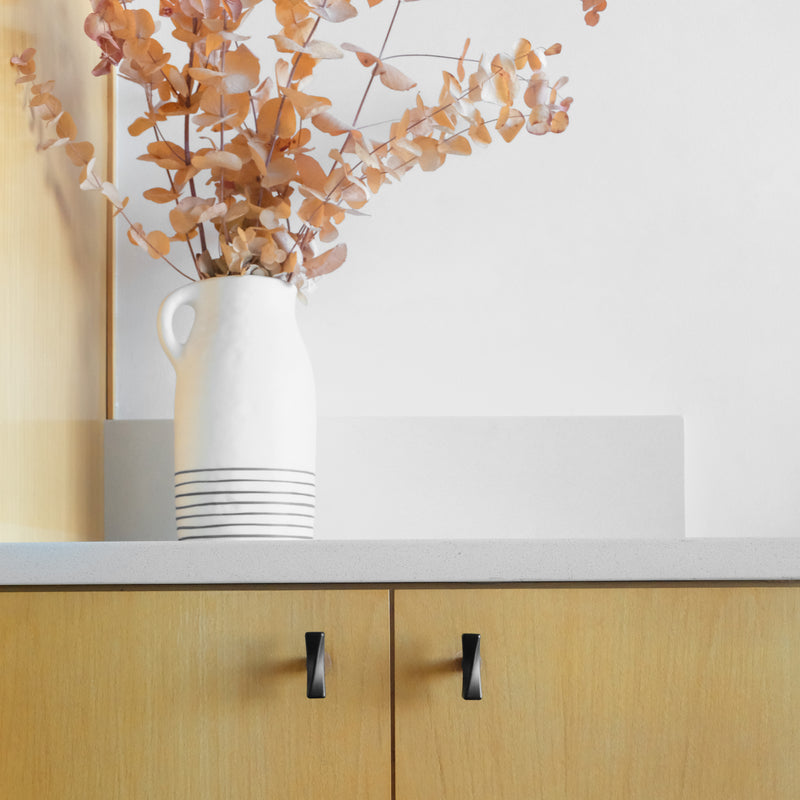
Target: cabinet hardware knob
<point x="315" y="664"/>
<point x="471" y="666"/>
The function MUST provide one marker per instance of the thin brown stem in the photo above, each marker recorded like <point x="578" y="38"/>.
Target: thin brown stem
<point x="187" y="160"/>
<point x="431" y="55"/>
<point x="371" y="79"/>
<point x="222" y="132"/>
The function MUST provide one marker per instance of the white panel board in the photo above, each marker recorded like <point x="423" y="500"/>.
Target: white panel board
<point x="445" y="478"/>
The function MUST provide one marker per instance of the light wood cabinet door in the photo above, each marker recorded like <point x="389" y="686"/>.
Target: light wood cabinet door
<point x="623" y="693"/>
<point x="193" y="695"/>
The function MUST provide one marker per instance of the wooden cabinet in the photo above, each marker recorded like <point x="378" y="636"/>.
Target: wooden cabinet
<point x="601" y="693"/>
<point x="192" y="695"/>
<point x="640" y="692"/>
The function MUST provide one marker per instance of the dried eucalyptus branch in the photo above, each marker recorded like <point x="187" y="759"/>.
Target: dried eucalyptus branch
<point x="270" y="201"/>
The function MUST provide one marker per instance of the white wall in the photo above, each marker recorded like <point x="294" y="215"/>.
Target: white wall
<point x="641" y="263"/>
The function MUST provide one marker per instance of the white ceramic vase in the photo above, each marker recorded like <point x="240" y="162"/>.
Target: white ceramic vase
<point x="245" y="411"/>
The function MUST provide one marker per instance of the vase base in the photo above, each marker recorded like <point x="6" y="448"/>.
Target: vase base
<point x="245" y="503"/>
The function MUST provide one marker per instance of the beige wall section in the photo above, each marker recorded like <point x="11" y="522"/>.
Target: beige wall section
<point x="52" y="290"/>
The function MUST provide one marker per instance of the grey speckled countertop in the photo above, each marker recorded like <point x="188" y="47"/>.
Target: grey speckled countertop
<point x="397" y="561"/>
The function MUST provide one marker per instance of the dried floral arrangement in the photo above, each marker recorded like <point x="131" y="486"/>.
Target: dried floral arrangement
<point x="247" y="192"/>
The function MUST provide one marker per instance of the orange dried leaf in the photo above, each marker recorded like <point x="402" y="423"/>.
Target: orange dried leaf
<point x="460" y="69"/>
<point x="593" y="9"/>
<point x="166" y="155"/>
<point x="329" y="124"/>
<point x="539" y="113"/>
<point x="24" y="57"/>
<point x="213" y="211"/>
<point x="355" y="196"/>
<point x="431" y="157"/>
<point x="283" y="44"/>
<point x="310" y="173"/>
<point x="211" y="77"/>
<point x="535" y="93"/>
<point x="258" y="154"/>
<point x="182" y="221"/>
<point x="456" y="145"/>
<point x="159" y="195"/>
<point x="90" y="181"/>
<point x="306" y="105"/>
<point x="553" y="50"/>
<point x="241" y="71"/>
<point x="333" y="10"/>
<point x="375" y="178"/>
<point x="280" y="170"/>
<point x="370" y="159"/>
<point x="47" y="106"/>
<point x="321" y="51"/>
<point x="509" y="123"/>
<point x="156" y="243"/>
<point x="269" y="123"/>
<point x="559" y="122"/>
<point x="222" y="108"/>
<point x="521" y="53"/>
<point x="217" y="159"/>
<point x="79" y="153"/>
<point x="326" y="262"/>
<point x="65" y="127"/>
<point x="478" y="132"/>
<point x="392" y="78"/>
<point x="140" y="125"/>
<point x="538" y="122"/>
<point x="176" y="80"/>
<point x="445" y="118"/>
<point x="113" y="194"/>
<point x="364" y="56"/>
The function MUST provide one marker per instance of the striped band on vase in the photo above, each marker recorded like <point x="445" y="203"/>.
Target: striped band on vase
<point x="246" y="502"/>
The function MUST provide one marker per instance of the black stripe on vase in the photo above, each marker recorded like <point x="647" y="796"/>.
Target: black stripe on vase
<point x="247" y="514"/>
<point x="244" y="491"/>
<point x="242" y="480"/>
<point x="240" y="525"/>
<point x="247" y="503"/>
<point x="245" y="469"/>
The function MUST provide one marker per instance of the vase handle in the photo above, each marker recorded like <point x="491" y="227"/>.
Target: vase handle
<point x="185" y="296"/>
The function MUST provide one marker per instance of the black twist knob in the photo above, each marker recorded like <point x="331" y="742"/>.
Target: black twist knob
<point x="471" y="665"/>
<point x="315" y="664"/>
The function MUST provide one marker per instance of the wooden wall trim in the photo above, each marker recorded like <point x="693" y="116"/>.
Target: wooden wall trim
<point x="52" y="291"/>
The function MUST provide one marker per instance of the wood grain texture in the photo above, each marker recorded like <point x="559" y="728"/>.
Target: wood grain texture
<point x="143" y="695"/>
<point x="52" y="290"/>
<point x="635" y="693"/>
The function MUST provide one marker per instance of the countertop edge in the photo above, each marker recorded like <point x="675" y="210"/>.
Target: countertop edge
<point x="398" y="561"/>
